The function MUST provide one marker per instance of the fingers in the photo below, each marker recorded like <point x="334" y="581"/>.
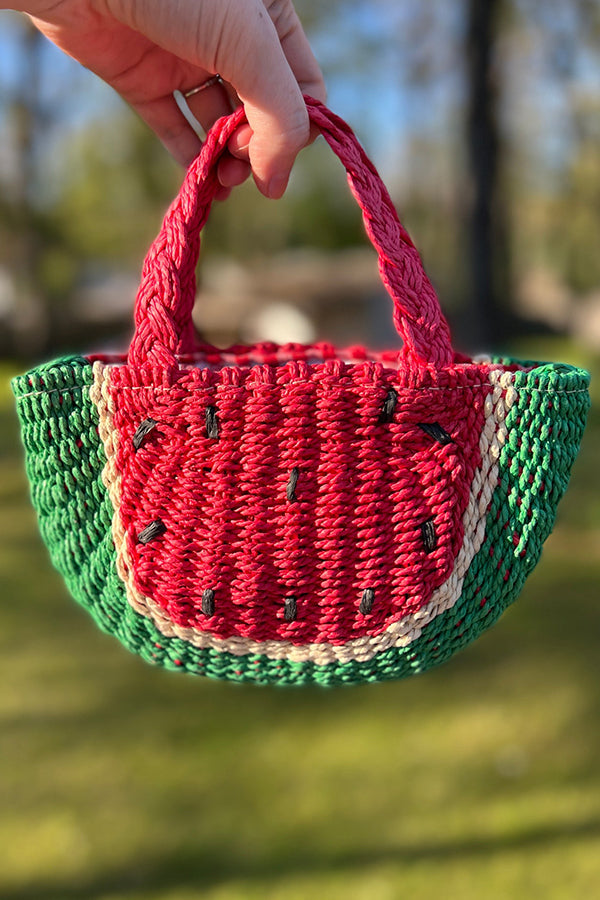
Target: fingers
<point x="181" y="120"/>
<point x="182" y="134"/>
<point x="172" y="127"/>
<point x="239" y="142"/>
<point x="270" y="73"/>
<point x="231" y="171"/>
<point x="266" y="63"/>
<point x="209" y="99"/>
<point x="147" y="49"/>
<point x="270" y="84"/>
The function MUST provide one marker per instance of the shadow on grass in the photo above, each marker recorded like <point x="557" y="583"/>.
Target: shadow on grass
<point x="551" y="633"/>
<point x="189" y="870"/>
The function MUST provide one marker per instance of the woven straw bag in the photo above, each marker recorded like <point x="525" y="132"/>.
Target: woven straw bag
<point x="295" y="514"/>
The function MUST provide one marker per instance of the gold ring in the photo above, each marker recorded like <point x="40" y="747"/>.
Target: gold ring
<point x="210" y="82"/>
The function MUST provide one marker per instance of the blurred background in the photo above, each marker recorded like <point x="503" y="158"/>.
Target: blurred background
<point x="480" y="779"/>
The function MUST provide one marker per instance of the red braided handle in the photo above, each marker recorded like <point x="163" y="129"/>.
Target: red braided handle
<point x="163" y="307"/>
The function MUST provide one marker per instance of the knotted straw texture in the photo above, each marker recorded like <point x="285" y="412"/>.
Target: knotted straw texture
<point x="299" y="513"/>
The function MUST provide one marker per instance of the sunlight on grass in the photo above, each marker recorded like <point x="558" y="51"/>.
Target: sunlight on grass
<point x="477" y="780"/>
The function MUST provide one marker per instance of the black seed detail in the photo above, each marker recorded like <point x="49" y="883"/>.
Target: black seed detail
<point x="290" y="609"/>
<point x="435" y="430"/>
<point x="389" y="405"/>
<point x="212" y="423"/>
<point x="208" y="602"/>
<point x="428" y="535"/>
<point x="366" y="601"/>
<point x="290" y="491"/>
<point x="141" y="431"/>
<point x="151" y="531"/>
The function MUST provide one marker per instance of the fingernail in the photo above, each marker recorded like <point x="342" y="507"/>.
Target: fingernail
<point x="240" y="152"/>
<point x="239" y="142"/>
<point x="236" y="148"/>
<point x="277" y="186"/>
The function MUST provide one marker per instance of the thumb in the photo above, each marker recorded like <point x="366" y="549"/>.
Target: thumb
<point x="278" y="135"/>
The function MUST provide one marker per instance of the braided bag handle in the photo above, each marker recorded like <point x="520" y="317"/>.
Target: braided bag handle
<point x="164" y="303"/>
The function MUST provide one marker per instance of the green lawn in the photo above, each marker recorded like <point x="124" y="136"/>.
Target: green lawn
<point x="478" y="780"/>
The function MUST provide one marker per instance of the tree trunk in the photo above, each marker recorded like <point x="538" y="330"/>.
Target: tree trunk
<point x="488" y="258"/>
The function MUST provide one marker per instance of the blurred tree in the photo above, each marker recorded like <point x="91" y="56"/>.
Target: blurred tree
<point x="34" y="111"/>
<point x="487" y="230"/>
<point x="574" y="233"/>
<point x="447" y="97"/>
<point x="317" y="211"/>
<point x="74" y="196"/>
<point x="117" y="180"/>
<point x="22" y="227"/>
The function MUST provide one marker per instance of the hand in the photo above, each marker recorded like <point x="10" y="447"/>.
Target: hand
<point x="146" y="49"/>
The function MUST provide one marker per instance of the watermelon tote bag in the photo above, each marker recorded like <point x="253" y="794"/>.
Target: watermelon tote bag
<point x="295" y="514"/>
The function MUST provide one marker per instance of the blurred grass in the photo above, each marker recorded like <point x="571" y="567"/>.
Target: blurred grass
<point x="479" y="779"/>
